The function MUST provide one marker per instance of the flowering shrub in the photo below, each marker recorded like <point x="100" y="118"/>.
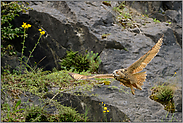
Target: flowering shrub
<point x="104" y="108"/>
<point x="9" y="10"/>
<point x="26" y="26"/>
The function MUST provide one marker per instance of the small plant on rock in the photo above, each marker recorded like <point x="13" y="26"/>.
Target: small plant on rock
<point x="73" y="60"/>
<point x="156" y="21"/>
<point x="105" y="110"/>
<point x="124" y="16"/>
<point x="164" y="95"/>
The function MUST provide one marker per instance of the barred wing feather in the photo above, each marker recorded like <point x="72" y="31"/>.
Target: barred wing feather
<point x="142" y="62"/>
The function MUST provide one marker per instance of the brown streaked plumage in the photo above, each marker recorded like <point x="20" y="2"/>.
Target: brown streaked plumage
<point x="131" y="76"/>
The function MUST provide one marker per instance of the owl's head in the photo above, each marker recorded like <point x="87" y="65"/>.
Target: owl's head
<point x="119" y="73"/>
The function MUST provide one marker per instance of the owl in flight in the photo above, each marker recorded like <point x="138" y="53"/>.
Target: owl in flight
<point x="130" y="76"/>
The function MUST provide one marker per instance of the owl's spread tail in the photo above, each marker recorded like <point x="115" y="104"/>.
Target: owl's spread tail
<point x="140" y="77"/>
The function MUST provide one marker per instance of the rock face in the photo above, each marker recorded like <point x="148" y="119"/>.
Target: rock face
<point x="80" y="25"/>
<point x="93" y="106"/>
<point x="163" y="11"/>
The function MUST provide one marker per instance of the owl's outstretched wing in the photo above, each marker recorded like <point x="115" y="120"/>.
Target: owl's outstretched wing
<point x="142" y="62"/>
<point x="83" y="77"/>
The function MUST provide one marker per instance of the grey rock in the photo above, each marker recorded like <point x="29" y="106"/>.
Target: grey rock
<point x="173" y="5"/>
<point x="83" y="104"/>
<point x="178" y="100"/>
<point x="13" y="64"/>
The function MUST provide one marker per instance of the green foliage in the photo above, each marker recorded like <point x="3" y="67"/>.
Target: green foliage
<point x="39" y="114"/>
<point x="35" y="114"/>
<point x="12" y="114"/>
<point x="38" y="83"/>
<point x="9" y="49"/>
<point x="5" y="69"/>
<point x="94" y="61"/>
<point x="75" y="61"/>
<point x="156" y="21"/>
<point x="164" y="95"/>
<point x="168" y="22"/>
<point x="9" y="10"/>
<point x="124" y="16"/>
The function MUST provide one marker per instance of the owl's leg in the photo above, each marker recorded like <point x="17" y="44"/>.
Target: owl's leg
<point x="132" y="90"/>
<point x="139" y="87"/>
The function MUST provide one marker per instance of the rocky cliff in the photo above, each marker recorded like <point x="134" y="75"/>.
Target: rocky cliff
<point x="80" y="25"/>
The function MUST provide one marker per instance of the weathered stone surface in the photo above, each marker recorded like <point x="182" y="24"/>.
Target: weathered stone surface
<point x="178" y="100"/>
<point x="13" y="63"/>
<point x="170" y="11"/>
<point x="90" y="105"/>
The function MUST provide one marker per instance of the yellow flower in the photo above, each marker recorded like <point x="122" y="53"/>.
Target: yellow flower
<point x="104" y="104"/>
<point x="26" y="26"/>
<point x="42" y="32"/>
<point x="175" y="73"/>
<point x="104" y="111"/>
<point x="105" y="108"/>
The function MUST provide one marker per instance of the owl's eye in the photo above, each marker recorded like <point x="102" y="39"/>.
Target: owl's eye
<point x="116" y="73"/>
<point x="123" y="70"/>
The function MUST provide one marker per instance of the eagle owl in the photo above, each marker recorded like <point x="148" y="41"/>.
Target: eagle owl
<point x="130" y="76"/>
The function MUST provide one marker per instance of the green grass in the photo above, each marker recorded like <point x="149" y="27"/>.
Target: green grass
<point x="38" y="84"/>
<point x="81" y="62"/>
<point x="164" y="95"/>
